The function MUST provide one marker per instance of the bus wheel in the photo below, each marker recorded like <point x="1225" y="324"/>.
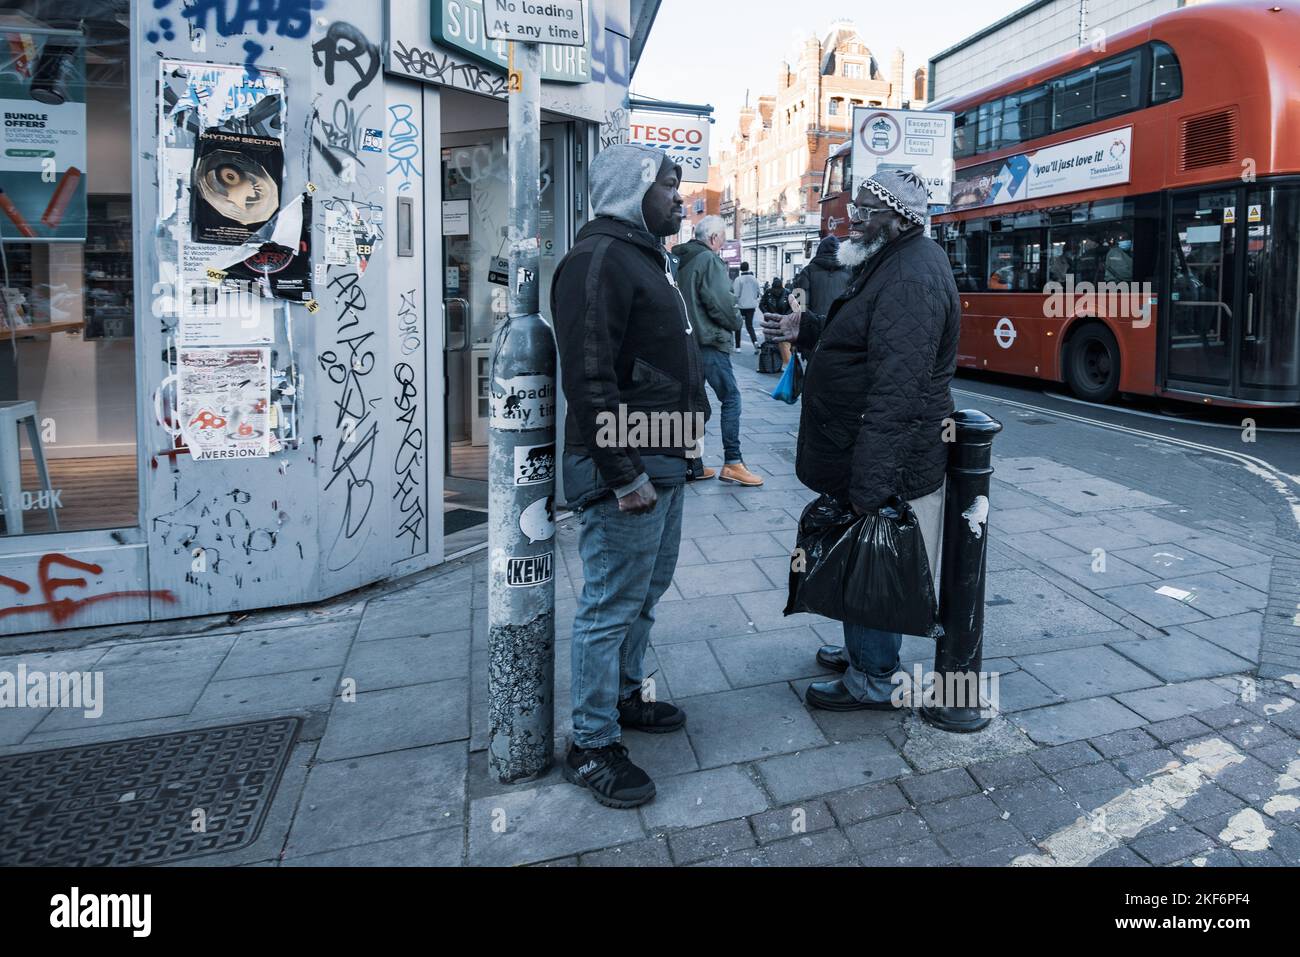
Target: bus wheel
<point x="1092" y="363"/>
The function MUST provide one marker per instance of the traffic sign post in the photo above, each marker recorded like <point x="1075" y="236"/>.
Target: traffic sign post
<point x="916" y="140"/>
<point x="522" y="457"/>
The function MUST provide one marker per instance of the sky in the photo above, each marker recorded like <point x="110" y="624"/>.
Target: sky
<point x="711" y="51"/>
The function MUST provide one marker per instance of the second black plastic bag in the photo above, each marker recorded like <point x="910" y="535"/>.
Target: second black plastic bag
<point x="869" y="570"/>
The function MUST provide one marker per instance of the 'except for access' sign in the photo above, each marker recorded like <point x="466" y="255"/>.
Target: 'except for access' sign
<point x="536" y="21"/>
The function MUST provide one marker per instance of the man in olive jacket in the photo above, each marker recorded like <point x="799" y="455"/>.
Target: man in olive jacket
<point x="707" y="289"/>
<point x="875" y="397"/>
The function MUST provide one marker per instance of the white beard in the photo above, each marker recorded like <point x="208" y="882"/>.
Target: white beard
<point x="853" y="254"/>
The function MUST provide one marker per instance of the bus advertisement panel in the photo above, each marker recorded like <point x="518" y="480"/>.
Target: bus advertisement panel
<point x="1102" y="159"/>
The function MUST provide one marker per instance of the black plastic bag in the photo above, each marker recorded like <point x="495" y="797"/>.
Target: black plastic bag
<point x="869" y="570"/>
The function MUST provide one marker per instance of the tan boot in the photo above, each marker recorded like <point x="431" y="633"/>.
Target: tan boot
<point x="707" y="474"/>
<point x="740" y="475"/>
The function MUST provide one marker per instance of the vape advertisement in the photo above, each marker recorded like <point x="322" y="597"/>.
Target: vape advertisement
<point x="43" y="136"/>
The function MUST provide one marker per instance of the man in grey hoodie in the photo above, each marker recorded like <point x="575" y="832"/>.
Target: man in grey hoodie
<point x="632" y="377"/>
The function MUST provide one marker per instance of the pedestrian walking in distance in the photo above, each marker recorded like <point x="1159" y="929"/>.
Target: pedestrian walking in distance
<point x="627" y="352"/>
<point x="746" y="290"/>
<point x="823" y="279"/>
<point x="875" y="397"/>
<point x="775" y="302"/>
<point x="703" y="281"/>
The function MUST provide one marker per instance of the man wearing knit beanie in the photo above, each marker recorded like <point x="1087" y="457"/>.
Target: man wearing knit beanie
<point x="875" y="398"/>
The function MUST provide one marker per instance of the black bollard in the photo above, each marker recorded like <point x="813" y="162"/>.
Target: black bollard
<point x="954" y="703"/>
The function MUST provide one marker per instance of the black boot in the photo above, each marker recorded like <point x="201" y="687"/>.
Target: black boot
<point x="833" y="658"/>
<point x="833" y="696"/>
<point x="609" y="774"/>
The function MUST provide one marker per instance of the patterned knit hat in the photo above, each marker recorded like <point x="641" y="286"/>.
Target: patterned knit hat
<point x="902" y="191"/>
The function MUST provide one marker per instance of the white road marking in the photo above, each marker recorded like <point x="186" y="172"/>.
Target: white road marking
<point x="1256" y="466"/>
<point x="1127" y="815"/>
<point x="1061" y="397"/>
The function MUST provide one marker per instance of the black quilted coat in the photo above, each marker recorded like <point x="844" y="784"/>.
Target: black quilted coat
<point x="876" y="392"/>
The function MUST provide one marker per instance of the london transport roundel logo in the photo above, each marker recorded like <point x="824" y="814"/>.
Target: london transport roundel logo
<point x="1004" y="332"/>
<point x="880" y="133"/>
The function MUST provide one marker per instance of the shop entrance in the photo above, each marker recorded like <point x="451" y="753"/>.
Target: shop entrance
<point x="474" y="275"/>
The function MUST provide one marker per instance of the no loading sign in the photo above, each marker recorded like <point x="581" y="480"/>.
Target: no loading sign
<point x="523" y="402"/>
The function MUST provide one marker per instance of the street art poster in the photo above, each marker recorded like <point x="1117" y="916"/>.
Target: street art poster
<point x="43" y="137"/>
<point x="224" y="399"/>
<point x="235" y="186"/>
<point x="226" y="226"/>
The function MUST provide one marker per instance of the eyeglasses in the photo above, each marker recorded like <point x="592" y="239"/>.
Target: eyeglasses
<point x="862" y="214"/>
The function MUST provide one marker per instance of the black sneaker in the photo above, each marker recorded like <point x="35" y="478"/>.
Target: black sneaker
<point x="609" y="774"/>
<point x="655" y="717"/>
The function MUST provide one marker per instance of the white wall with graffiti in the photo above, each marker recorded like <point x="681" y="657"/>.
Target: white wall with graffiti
<point x="288" y="358"/>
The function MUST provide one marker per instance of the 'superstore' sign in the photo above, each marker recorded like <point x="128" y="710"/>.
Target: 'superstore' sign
<point x="459" y="24"/>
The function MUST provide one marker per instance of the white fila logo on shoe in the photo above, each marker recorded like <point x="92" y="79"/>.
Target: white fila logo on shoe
<point x="587" y="768"/>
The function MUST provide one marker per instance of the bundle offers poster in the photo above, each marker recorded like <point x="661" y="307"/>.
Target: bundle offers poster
<point x="43" y="135"/>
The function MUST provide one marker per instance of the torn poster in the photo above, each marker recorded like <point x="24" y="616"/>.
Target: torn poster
<point x="235" y="187"/>
<point x="276" y="261"/>
<point x="194" y="98"/>
<point x="224" y="397"/>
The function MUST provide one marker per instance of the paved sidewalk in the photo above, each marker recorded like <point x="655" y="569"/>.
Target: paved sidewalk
<point x="1134" y="729"/>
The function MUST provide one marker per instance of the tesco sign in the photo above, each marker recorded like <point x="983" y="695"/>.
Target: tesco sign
<point x="684" y="138"/>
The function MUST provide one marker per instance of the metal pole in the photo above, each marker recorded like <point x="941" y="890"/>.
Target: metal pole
<point x="521" y="470"/>
<point x="959" y="651"/>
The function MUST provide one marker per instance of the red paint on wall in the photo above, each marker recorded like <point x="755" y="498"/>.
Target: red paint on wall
<point x="61" y="609"/>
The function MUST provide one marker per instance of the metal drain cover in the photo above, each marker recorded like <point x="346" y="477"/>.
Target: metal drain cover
<point x="144" y="800"/>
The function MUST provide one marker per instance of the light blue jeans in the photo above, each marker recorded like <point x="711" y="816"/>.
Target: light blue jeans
<point x="627" y="564"/>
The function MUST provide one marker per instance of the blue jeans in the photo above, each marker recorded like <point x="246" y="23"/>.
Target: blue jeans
<point x="722" y="379"/>
<point x="873" y="661"/>
<point x="873" y="654"/>
<point x="627" y="564"/>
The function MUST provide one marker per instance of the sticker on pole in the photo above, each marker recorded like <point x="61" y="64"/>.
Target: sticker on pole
<point x="537" y="521"/>
<point x="535" y="464"/>
<point x="534" y="570"/>
<point x="524" y="402"/>
<point x="536" y="21"/>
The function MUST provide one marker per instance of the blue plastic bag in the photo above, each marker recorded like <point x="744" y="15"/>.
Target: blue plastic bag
<point x="791" y="384"/>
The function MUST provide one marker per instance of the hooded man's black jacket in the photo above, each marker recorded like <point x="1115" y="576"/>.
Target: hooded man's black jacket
<point x="624" y="341"/>
<point x="875" y="393"/>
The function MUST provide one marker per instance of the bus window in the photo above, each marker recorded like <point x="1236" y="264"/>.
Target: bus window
<point x="1016" y="261"/>
<point x="1034" y="113"/>
<point x="989" y="128"/>
<point x="834" y="183"/>
<point x="965" y="245"/>
<point x="1072" y="99"/>
<point x="1166" y="74"/>
<point x="1116" y="89"/>
<point x="964" y="127"/>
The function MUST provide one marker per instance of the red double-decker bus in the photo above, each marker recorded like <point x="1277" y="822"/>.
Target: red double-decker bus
<point x="1127" y="219"/>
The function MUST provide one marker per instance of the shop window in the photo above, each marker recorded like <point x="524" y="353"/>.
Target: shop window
<point x="67" y="344"/>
